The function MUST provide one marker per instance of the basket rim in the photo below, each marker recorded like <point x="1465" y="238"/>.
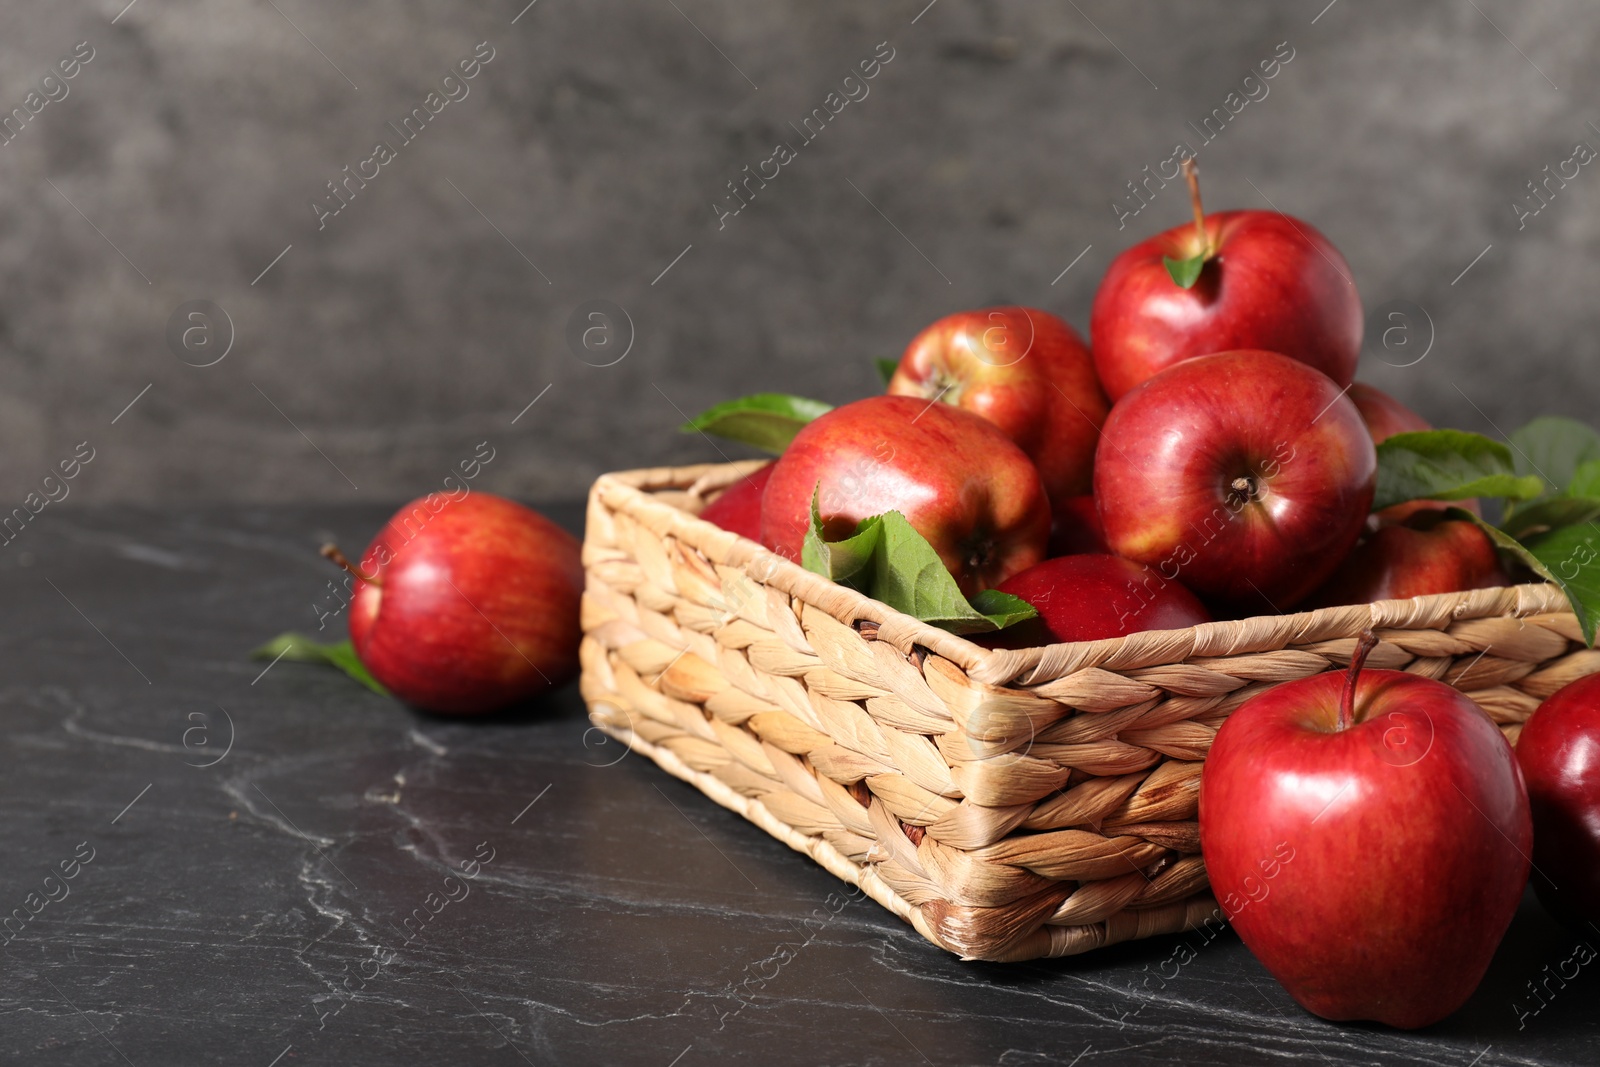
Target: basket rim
<point x="634" y="493"/>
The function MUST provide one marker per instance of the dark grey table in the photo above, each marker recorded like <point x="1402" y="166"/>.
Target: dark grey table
<point x="302" y="900"/>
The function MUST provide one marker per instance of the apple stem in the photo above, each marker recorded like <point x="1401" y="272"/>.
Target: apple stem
<point x="1191" y="174"/>
<point x="1358" y="659"/>
<point x="330" y="551"/>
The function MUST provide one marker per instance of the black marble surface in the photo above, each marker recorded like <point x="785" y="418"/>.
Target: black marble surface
<point x="254" y="911"/>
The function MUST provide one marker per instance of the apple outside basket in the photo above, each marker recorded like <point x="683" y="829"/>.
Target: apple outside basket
<point x="1009" y="805"/>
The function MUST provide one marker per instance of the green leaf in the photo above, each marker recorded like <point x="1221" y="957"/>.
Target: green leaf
<point x="1555" y="449"/>
<point x="1585" y="480"/>
<point x="1569" y="557"/>
<point x="847" y="562"/>
<point x="1003" y="609"/>
<point x="302" y="649"/>
<point x="1448" y="465"/>
<point x="886" y="368"/>
<point x="1552" y="462"/>
<point x="887" y="559"/>
<point x="1542" y="516"/>
<point x="767" y="421"/>
<point x="909" y="576"/>
<point x="1185" y="272"/>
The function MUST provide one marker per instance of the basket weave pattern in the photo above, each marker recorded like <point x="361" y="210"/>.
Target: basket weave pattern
<point x="1008" y="804"/>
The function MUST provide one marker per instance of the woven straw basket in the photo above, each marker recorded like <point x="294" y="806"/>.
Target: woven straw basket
<point x="1008" y="804"/>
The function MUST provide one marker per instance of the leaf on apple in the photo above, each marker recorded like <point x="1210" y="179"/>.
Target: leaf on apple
<point x="1542" y="516"/>
<point x="1569" y="556"/>
<point x="886" y="368"/>
<point x="1185" y="272"/>
<point x="888" y="560"/>
<point x="847" y="562"/>
<point x="301" y="649"/>
<point x="1002" y="609"/>
<point x="767" y="421"/>
<point x="1448" y="465"/>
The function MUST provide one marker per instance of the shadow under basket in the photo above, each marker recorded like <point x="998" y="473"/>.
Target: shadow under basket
<point x="1007" y="804"/>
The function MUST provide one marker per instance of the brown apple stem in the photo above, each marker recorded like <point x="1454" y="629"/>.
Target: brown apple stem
<point x="1358" y="659"/>
<point x="1191" y="174"/>
<point x="330" y="551"/>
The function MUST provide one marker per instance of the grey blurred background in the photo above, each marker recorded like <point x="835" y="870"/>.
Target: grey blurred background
<point x="370" y="356"/>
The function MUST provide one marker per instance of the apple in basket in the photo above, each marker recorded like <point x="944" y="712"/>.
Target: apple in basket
<point x="958" y="480"/>
<point x="1264" y="280"/>
<point x="1367" y="835"/>
<point x="1245" y="475"/>
<point x="1427" y="553"/>
<point x="465" y="605"/>
<point x="1024" y="370"/>
<point x="1075" y="527"/>
<point x="738" y="508"/>
<point x="1091" y="596"/>
<point x="1559" y="751"/>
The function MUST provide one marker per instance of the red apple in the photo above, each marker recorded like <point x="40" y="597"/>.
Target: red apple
<point x="1246" y="474"/>
<point x="1092" y="596"/>
<point x="1385" y="416"/>
<point x="1269" y="281"/>
<point x="1367" y="836"/>
<point x="467" y="605"/>
<point x="738" y="508"/>
<point x="1428" y="553"/>
<point x="1075" y="527"/>
<point x="1559" y="751"/>
<point x="958" y="480"/>
<point x="1024" y="370"/>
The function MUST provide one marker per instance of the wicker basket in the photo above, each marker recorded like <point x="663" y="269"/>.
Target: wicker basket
<point x="1008" y="804"/>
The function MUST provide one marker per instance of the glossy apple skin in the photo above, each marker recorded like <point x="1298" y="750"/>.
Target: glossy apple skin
<point x="957" y="479"/>
<point x="1174" y="449"/>
<point x="1275" y="283"/>
<point x="1024" y="370"/>
<point x="1559" y="751"/>
<point x="1091" y="596"/>
<point x="477" y="607"/>
<point x="1426" y="554"/>
<point x="738" y="508"/>
<point x="1075" y="527"/>
<point x="1373" y="870"/>
<point x="1385" y="416"/>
